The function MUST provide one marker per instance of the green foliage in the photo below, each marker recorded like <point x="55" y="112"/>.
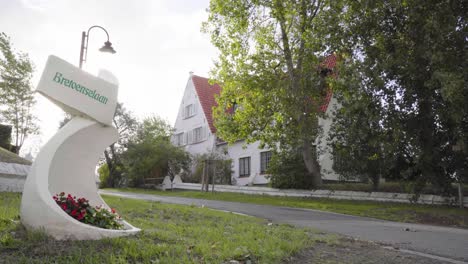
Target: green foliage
<point x="361" y="145"/>
<point x="268" y="67"/>
<point x="5" y="136"/>
<point x="411" y="58"/>
<point x="127" y="126"/>
<point x="288" y="171"/>
<point x="16" y="95"/>
<point x="217" y="163"/>
<point x="103" y="172"/>
<point x="150" y="153"/>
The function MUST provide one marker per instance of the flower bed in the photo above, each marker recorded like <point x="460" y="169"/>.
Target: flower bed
<point x="81" y="210"/>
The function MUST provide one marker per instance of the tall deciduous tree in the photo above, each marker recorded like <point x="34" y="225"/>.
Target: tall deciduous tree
<point x="268" y="67"/>
<point x="412" y="56"/>
<point x="16" y="95"/>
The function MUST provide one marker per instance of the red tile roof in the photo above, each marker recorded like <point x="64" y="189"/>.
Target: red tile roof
<point x="329" y="63"/>
<point x="206" y="95"/>
<point x="206" y="92"/>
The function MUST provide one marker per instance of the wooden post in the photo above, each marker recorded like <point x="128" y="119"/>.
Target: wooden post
<point x="207" y="175"/>
<point x="203" y="176"/>
<point x="213" y="176"/>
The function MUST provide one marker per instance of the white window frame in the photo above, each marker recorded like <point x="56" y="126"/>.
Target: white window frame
<point x="245" y="172"/>
<point x="196" y="135"/>
<point x="265" y="159"/>
<point x="189" y="110"/>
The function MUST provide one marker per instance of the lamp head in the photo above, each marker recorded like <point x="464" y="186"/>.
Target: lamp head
<point x="107" y="47"/>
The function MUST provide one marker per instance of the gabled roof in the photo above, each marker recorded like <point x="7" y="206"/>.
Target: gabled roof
<point x="206" y="95"/>
<point x="206" y="92"/>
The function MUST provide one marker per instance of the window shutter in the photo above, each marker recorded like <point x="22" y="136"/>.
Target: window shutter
<point x="195" y="108"/>
<point x="190" y="137"/>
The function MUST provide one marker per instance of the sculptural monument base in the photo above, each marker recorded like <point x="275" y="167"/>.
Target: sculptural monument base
<point x="66" y="164"/>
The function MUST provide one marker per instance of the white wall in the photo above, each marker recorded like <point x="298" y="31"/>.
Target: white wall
<point x="237" y="151"/>
<point x="199" y="119"/>
<point x="12" y="176"/>
<point x="12" y="183"/>
<point x="325" y="156"/>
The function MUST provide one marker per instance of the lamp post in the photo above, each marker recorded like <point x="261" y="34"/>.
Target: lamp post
<point x="84" y="45"/>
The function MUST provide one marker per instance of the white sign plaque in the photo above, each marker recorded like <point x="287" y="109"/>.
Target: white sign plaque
<point x="78" y="92"/>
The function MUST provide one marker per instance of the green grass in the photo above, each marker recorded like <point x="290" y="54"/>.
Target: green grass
<point x="171" y="234"/>
<point x="396" y="187"/>
<point x="411" y="213"/>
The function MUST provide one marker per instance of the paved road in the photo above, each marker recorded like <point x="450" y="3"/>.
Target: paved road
<point x="440" y="241"/>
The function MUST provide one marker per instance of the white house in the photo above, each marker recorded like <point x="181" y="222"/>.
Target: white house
<point x="195" y="131"/>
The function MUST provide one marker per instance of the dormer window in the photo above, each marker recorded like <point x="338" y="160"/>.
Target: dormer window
<point x="189" y="111"/>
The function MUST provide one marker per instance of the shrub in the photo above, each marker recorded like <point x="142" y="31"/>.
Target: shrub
<point x="287" y="170"/>
<point x="103" y="176"/>
<point x="81" y="210"/>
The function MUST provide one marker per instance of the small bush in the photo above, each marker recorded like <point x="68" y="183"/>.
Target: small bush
<point x="288" y="171"/>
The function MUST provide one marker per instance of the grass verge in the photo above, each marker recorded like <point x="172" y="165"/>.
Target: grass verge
<point x="171" y="234"/>
<point x="410" y="213"/>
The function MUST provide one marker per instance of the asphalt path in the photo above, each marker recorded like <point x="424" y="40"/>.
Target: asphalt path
<point x="451" y="243"/>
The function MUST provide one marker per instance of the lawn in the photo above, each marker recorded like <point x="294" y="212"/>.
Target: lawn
<point x="171" y="234"/>
<point x="411" y="213"/>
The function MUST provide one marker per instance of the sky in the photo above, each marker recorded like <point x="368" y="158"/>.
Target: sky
<point x="158" y="42"/>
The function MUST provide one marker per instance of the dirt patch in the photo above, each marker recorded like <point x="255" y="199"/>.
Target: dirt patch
<point x="348" y="250"/>
<point x="440" y="220"/>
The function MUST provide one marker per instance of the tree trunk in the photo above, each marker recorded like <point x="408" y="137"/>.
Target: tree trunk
<point x="311" y="163"/>
<point x="110" y="179"/>
<point x="375" y="182"/>
<point x="460" y="194"/>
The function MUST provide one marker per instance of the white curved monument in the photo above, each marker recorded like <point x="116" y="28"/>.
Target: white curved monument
<point x="67" y="162"/>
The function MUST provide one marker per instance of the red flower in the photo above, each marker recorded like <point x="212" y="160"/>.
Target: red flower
<point x="113" y="210"/>
<point x="64" y="206"/>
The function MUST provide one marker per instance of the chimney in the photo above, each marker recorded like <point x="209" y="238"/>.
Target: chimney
<point x="191" y="73"/>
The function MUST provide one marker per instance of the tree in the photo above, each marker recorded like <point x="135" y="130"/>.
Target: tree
<point x="127" y="126"/>
<point x="269" y="67"/>
<point x="150" y="153"/>
<point x="5" y="136"/>
<point x="412" y="56"/>
<point x="359" y="139"/>
<point x="16" y="95"/>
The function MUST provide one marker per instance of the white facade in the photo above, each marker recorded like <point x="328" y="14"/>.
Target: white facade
<point x="325" y="157"/>
<point x="192" y="131"/>
<point x="188" y="126"/>
<point x="252" y="152"/>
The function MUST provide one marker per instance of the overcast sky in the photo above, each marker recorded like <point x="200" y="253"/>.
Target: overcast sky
<point x="158" y="42"/>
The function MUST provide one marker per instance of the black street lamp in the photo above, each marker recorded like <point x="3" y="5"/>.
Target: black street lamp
<point x="84" y="45"/>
